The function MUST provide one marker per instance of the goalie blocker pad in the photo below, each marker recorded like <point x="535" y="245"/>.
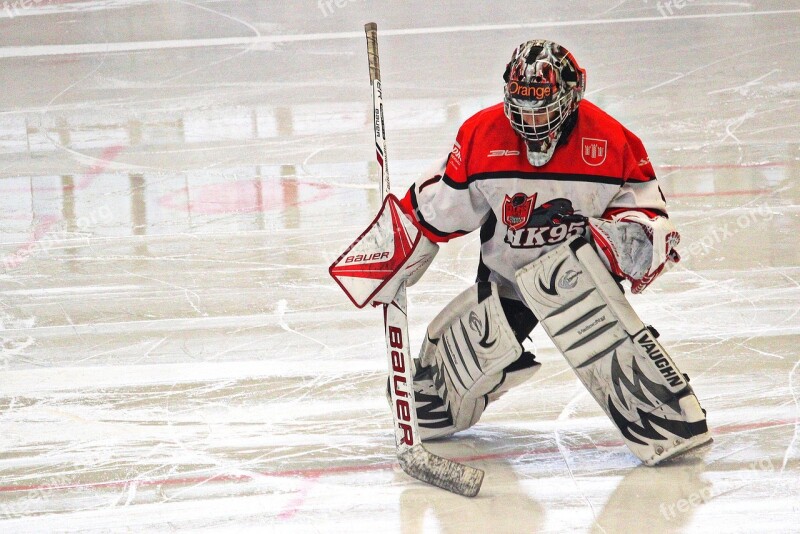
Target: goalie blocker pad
<point x="614" y="354"/>
<point x="391" y="251"/>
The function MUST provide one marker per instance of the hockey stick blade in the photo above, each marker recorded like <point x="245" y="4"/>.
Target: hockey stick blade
<point x="452" y="476"/>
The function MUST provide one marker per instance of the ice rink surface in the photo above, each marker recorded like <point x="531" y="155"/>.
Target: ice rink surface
<point x="176" y="176"/>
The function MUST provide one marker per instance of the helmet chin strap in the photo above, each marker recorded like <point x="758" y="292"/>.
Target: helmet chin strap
<point x="538" y="156"/>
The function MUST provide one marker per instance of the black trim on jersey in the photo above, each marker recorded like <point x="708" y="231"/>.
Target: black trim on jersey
<point x="484" y="291"/>
<point x="456" y="185"/>
<point x="553" y="176"/>
<point x="425" y="224"/>
<point x="430" y="181"/>
<point x="483" y="271"/>
<point x="488" y="228"/>
<point x="636" y="181"/>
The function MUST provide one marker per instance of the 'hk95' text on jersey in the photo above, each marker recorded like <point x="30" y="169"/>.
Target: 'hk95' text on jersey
<point x="524" y="211"/>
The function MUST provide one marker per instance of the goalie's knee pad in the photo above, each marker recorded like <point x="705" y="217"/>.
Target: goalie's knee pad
<point x="470" y="357"/>
<point x="616" y="357"/>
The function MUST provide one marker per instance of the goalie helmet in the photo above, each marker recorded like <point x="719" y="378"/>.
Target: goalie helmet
<point x="543" y="87"/>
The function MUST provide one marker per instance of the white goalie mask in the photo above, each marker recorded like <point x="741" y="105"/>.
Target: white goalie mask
<point x="543" y="87"/>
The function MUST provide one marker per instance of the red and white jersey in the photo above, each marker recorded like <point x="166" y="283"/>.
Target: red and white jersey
<point x="488" y="183"/>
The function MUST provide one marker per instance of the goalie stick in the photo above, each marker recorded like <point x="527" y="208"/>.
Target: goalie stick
<point x="414" y="458"/>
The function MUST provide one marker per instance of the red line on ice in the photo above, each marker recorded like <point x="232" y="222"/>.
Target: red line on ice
<point x="294" y="505"/>
<point x="721" y="193"/>
<point x="314" y="474"/>
<point x="722" y="166"/>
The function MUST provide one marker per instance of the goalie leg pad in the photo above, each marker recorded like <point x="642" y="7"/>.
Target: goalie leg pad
<point x="617" y="358"/>
<point x="470" y="357"/>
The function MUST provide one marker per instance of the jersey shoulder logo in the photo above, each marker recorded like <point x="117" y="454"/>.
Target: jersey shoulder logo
<point x="456" y="154"/>
<point x="517" y="210"/>
<point x="594" y="151"/>
<point x="501" y="153"/>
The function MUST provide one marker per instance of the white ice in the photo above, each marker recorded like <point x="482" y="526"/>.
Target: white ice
<point x="176" y="176"/>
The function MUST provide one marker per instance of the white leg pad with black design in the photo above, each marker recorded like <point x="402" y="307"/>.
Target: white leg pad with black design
<point x="463" y="360"/>
<point x="617" y="358"/>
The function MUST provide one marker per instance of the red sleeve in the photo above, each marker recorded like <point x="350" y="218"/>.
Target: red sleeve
<point x="637" y="166"/>
<point x="652" y="214"/>
<point x="641" y="191"/>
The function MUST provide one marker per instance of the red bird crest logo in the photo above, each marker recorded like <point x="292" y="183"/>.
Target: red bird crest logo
<point x="517" y="210"/>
